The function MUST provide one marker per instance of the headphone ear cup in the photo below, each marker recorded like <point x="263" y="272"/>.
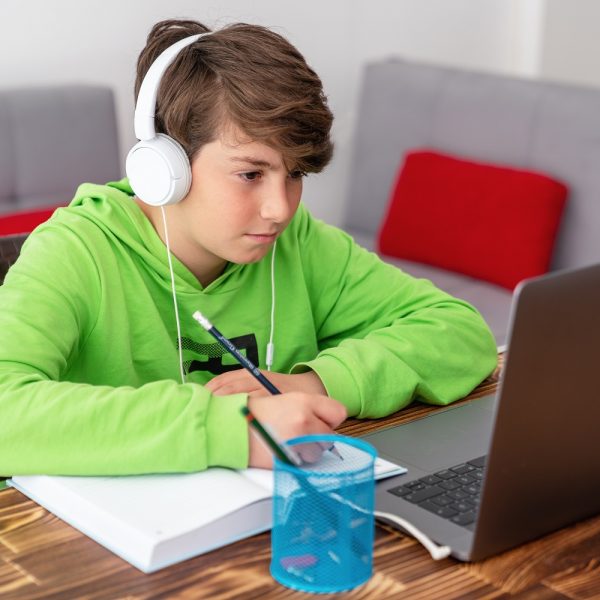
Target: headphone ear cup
<point x="159" y="171"/>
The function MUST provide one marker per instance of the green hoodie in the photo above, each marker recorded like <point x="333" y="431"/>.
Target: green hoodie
<point x="89" y="369"/>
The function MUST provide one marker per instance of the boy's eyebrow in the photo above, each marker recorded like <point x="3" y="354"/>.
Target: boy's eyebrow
<point x="251" y="160"/>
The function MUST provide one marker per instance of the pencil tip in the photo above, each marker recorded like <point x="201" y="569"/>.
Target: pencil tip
<point x="335" y="451"/>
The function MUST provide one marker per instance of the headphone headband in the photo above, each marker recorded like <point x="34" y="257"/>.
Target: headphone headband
<point x="158" y="167"/>
<point x="145" y="107"/>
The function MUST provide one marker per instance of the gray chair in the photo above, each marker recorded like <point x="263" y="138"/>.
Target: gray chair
<point x="51" y="140"/>
<point x="504" y="120"/>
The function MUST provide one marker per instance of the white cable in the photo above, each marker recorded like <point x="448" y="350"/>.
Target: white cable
<point x="437" y="552"/>
<point x="270" y="345"/>
<point x="164" y="216"/>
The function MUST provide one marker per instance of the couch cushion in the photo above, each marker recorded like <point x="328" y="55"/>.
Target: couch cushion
<point x="24" y="221"/>
<point x="533" y="124"/>
<point x="490" y="222"/>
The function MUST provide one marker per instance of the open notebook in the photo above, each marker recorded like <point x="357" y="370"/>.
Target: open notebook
<point x="153" y="521"/>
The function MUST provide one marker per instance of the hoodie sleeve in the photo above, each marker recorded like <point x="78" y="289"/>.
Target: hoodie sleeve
<point x="54" y="426"/>
<point x="386" y="338"/>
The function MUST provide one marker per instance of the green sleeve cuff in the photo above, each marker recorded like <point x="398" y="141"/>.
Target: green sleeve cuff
<point x="227" y="432"/>
<point x="337" y="379"/>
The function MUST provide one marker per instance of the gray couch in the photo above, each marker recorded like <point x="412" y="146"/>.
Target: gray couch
<point x="516" y="122"/>
<point x="51" y="140"/>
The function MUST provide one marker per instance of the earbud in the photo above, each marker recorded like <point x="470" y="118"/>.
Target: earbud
<point x="157" y="166"/>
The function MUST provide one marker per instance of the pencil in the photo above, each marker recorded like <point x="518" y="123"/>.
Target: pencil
<point x="246" y="363"/>
<point x="283" y="453"/>
<point x="229" y="346"/>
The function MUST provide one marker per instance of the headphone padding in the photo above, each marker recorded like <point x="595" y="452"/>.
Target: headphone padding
<point x="159" y="171"/>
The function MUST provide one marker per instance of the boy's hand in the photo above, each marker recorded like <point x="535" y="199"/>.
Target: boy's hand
<point x="241" y="381"/>
<point x="291" y="415"/>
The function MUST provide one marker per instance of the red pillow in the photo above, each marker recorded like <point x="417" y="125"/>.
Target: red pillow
<point x="24" y="221"/>
<point x="493" y="223"/>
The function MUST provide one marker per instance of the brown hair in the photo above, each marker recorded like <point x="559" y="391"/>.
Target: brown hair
<point x="242" y="75"/>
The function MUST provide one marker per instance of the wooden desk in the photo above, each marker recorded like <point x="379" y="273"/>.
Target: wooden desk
<point x="41" y="557"/>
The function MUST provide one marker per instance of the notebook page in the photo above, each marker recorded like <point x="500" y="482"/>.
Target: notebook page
<point x="264" y="477"/>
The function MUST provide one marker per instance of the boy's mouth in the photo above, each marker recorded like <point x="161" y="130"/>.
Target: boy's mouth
<point x="262" y="238"/>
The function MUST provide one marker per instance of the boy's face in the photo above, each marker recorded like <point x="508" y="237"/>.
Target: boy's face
<point x="241" y="198"/>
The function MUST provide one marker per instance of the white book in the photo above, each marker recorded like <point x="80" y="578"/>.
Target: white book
<point x="153" y="521"/>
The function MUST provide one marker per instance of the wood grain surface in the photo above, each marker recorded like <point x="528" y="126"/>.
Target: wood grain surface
<point x="41" y="557"/>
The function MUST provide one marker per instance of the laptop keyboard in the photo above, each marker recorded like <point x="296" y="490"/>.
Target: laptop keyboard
<point x="452" y="493"/>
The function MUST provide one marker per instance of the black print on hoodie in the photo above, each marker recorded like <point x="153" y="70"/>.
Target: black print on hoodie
<point x="210" y="356"/>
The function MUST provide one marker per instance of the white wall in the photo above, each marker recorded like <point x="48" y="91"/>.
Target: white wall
<point x="571" y="44"/>
<point x="46" y="41"/>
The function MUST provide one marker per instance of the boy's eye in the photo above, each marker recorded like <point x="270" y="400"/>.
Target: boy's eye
<point x="251" y="175"/>
<point x="298" y="174"/>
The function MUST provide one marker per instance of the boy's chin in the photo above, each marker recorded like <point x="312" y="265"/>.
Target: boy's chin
<point x="251" y="257"/>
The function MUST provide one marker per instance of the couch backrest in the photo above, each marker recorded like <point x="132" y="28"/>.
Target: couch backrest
<point x="504" y="120"/>
<point x="51" y="140"/>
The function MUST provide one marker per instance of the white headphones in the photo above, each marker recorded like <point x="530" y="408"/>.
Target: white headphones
<point x="157" y="166"/>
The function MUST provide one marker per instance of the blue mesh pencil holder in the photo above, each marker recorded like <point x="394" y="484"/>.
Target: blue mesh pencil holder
<point x="323" y="526"/>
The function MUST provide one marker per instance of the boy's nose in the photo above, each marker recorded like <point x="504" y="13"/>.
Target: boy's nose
<point x="276" y="204"/>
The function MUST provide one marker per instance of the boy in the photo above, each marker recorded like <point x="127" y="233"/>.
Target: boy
<point x="97" y="333"/>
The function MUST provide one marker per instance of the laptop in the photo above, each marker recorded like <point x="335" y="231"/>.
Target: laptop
<point x="496" y="472"/>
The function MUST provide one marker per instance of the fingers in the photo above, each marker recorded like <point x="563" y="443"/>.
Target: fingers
<point x="309" y="452"/>
<point x="292" y="415"/>
<point x="330" y="411"/>
<point x="240" y="381"/>
<point x="304" y="413"/>
<point x="234" y="382"/>
<point x="326" y="414"/>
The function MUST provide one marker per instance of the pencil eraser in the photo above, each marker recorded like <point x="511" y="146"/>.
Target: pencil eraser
<point x="202" y="320"/>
